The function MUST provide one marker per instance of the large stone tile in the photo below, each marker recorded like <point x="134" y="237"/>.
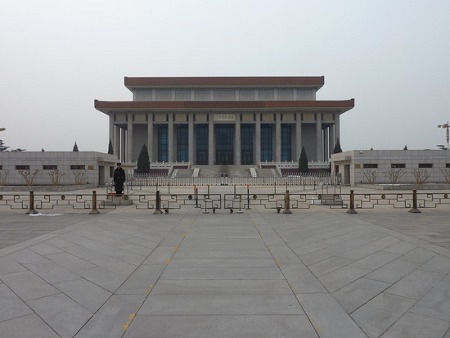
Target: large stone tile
<point x="70" y="262"/>
<point x="224" y="254"/>
<point x="374" y="261"/>
<point x="221" y="305"/>
<point x="161" y="255"/>
<point x="51" y="272"/>
<point x="438" y="263"/>
<point x="328" y="265"/>
<point x="109" y="321"/>
<point x="416" y="326"/>
<point x="341" y="277"/>
<point x="9" y="265"/>
<point x="300" y="279"/>
<point x="435" y="303"/>
<point x="223" y="263"/>
<point x="106" y="279"/>
<point x="416" y="284"/>
<point x="222" y="273"/>
<point x="26" y="256"/>
<point x="284" y="254"/>
<point x="28" y="286"/>
<point x="328" y="317"/>
<point x="376" y="316"/>
<point x="30" y="326"/>
<point x="393" y="271"/>
<point x="44" y="249"/>
<point x="418" y="255"/>
<point x="13" y="305"/>
<point x="355" y="294"/>
<point x="142" y="280"/>
<point x="85" y="293"/>
<point x="64" y="315"/>
<point x="222" y="287"/>
<point x="248" y="326"/>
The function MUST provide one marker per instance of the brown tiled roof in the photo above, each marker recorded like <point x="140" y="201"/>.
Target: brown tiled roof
<point x="257" y="81"/>
<point x="106" y="106"/>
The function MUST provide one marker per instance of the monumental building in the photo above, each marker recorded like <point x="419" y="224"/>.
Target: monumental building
<point x="224" y="120"/>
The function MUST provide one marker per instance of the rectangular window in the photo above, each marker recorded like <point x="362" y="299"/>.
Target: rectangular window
<point x="247" y="144"/>
<point x="425" y="165"/>
<point x="202" y="144"/>
<point x="22" y="167"/>
<point x="370" y="165"/>
<point x="397" y="165"/>
<point x="163" y="143"/>
<point x="447" y="165"/>
<point x="182" y="143"/>
<point x="49" y="167"/>
<point x="1" y="167"/>
<point x="266" y="142"/>
<point x="286" y="143"/>
<point x="77" y="167"/>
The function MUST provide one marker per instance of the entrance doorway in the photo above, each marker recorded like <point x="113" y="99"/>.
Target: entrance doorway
<point x="224" y="143"/>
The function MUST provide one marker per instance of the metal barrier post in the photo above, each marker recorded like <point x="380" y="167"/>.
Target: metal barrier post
<point x="31" y="209"/>
<point x="248" y="196"/>
<point x="287" y="209"/>
<point x="196" y="196"/>
<point x="94" y="210"/>
<point x="158" y="204"/>
<point x="352" y="204"/>
<point x="414" y="209"/>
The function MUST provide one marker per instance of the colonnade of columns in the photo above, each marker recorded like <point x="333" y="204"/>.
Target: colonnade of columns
<point x="122" y="136"/>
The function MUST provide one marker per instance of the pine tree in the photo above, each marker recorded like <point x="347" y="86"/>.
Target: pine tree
<point x="303" y="162"/>
<point x="110" y="148"/>
<point x="75" y="147"/>
<point x="337" y="147"/>
<point x="2" y="146"/>
<point x="143" y="162"/>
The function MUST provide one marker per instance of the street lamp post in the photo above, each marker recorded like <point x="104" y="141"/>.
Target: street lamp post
<point x="446" y="126"/>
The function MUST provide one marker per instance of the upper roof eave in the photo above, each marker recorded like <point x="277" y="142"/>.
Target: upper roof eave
<point x="243" y="81"/>
<point x="108" y="106"/>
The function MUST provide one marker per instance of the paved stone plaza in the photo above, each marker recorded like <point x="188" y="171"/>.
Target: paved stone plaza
<point x="315" y="273"/>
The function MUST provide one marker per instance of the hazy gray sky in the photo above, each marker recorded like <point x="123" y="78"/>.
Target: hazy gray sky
<point x="392" y="56"/>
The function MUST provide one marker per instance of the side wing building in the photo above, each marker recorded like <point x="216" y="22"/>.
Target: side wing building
<point x="224" y="120"/>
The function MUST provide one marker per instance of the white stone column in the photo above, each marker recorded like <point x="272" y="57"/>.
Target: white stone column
<point x="258" y="139"/>
<point x="237" y="140"/>
<point x="112" y="136"/>
<point x="278" y="137"/>
<point x="337" y="126"/>
<point x="129" y="157"/>
<point x="211" y="146"/>
<point x="298" y="137"/>
<point x="116" y="144"/>
<point x="150" y="137"/>
<point x="191" y="139"/>
<point x="326" y="144"/>
<point x="123" y="145"/>
<point x="170" y="146"/>
<point x="319" y="142"/>
<point x="332" y="138"/>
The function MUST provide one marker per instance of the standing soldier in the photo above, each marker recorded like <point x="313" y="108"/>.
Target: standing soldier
<point x="119" y="179"/>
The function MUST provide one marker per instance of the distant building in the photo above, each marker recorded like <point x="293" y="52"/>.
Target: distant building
<point x="224" y="120"/>
<point x="381" y="166"/>
<point x="58" y="168"/>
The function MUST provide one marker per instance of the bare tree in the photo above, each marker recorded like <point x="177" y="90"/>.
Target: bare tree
<point x="421" y="176"/>
<point x="28" y="176"/>
<point x="79" y="177"/>
<point x="3" y="176"/>
<point x="55" y="176"/>
<point x="371" y="176"/>
<point x="394" y="174"/>
<point x="446" y="173"/>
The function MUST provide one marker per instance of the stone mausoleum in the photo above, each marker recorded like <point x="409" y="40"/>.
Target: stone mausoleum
<point x="224" y="120"/>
